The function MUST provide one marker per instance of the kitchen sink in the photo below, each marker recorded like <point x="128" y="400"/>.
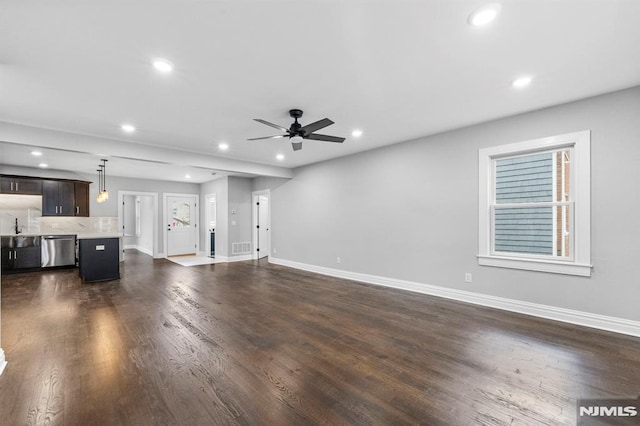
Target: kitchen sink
<point x="24" y="241"/>
<point x="20" y="241"/>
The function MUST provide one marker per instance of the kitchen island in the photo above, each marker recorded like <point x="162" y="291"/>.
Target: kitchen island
<point x="98" y="258"/>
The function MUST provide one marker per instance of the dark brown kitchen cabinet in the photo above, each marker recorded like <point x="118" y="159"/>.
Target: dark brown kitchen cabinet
<point x="20" y="185"/>
<point x="58" y="198"/>
<point x="82" y="199"/>
<point x="20" y="253"/>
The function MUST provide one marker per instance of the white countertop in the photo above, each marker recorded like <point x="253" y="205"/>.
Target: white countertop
<point x="86" y="236"/>
<point x="80" y="236"/>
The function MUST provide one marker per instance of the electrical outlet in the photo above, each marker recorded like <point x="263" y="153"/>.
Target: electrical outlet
<point x="338" y="260"/>
<point x="274" y="250"/>
<point x="467" y="277"/>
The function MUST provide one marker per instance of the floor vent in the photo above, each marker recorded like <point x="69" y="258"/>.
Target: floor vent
<point x="241" y="248"/>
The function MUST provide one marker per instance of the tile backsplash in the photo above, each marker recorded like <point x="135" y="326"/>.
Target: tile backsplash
<point x="28" y="210"/>
<point x="77" y="225"/>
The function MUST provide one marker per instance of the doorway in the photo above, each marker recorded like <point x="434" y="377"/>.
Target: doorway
<point x="210" y="218"/>
<point x="181" y="219"/>
<point x="261" y="224"/>
<point x="138" y="221"/>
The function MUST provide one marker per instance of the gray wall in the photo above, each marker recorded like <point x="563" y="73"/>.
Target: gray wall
<point x="115" y="184"/>
<point x="239" y="224"/>
<point x="232" y="193"/>
<point x="410" y="211"/>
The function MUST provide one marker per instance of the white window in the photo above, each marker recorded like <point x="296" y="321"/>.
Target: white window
<point x="534" y="205"/>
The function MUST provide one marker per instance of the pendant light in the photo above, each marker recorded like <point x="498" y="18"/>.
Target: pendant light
<point x="103" y="194"/>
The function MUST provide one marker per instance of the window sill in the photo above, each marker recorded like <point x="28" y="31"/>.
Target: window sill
<point x="554" y="267"/>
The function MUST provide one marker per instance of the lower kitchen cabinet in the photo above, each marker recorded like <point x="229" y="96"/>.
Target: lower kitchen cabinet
<point x="20" y="253"/>
<point x="99" y="259"/>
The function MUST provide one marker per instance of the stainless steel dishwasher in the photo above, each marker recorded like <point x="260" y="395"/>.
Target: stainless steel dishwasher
<point x="58" y="250"/>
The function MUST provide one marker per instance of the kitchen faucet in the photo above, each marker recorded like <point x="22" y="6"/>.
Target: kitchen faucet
<point x="18" y="230"/>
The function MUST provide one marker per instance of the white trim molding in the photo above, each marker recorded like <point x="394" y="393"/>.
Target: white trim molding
<point x="579" y="262"/>
<point x="229" y="259"/>
<point x="3" y="362"/>
<point x="138" y="248"/>
<point x="586" y="319"/>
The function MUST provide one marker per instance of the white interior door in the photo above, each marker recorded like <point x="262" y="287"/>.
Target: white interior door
<point x="181" y="226"/>
<point x="263" y="245"/>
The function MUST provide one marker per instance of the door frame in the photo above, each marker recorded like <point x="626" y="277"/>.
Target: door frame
<point x="154" y="196"/>
<point x="254" y="221"/>
<point x="207" y="218"/>
<point x="165" y="233"/>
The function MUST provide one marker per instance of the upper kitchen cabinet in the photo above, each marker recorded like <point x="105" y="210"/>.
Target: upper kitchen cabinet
<point x="82" y="199"/>
<point x="20" y="185"/>
<point x="58" y="198"/>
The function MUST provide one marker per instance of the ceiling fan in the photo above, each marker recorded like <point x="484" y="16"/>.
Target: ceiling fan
<point x="297" y="132"/>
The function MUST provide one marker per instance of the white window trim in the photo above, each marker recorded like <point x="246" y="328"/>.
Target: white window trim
<point x="580" y="264"/>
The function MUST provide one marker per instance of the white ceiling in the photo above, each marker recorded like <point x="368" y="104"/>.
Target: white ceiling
<point x="396" y="69"/>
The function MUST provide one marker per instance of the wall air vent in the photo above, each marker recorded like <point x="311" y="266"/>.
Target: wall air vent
<point x="241" y="248"/>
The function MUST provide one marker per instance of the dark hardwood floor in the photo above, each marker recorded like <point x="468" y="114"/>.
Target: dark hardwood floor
<point x="253" y="343"/>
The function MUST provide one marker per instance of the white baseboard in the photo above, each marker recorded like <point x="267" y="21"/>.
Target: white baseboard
<point x="234" y="258"/>
<point x="3" y="362"/>
<point x="145" y="251"/>
<point x="159" y="256"/>
<point x="140" y="249"/>
<point x="602" y="322"/>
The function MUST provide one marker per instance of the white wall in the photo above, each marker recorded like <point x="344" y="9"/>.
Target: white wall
<point x="129" y="224"/>
<point x="410" y="211"/>
<point x="144" y="242"/>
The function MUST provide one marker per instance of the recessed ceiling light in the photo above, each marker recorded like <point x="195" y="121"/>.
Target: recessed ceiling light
<point x="223" y="146"/>
<point x="356" y="133"/>
<point x="36" y="153"/>
<point x="484" y="14"/>
<point x="187" y="176"/>
<point x="280" y="157"/>
<point x="43" y="165"/>
<point x="162" y="65"/>
<point x="128" y="128"/>
<point x="521" y="82"/>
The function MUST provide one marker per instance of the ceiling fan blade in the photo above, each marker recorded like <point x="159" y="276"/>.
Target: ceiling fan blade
<point x="268" y="137"/>
<point x="320" y="124"/>
<point x="325" y="138"/>
<point x="284" y="129"/>
<point x="296" y="146"/>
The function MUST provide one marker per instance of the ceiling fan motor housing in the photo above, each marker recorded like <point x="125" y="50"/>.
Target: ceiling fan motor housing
<point x="294" y="130"/>
<point x="295" y="113"/>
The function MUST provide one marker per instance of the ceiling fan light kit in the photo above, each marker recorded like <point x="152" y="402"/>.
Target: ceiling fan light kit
<point x="297" y="132"/>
